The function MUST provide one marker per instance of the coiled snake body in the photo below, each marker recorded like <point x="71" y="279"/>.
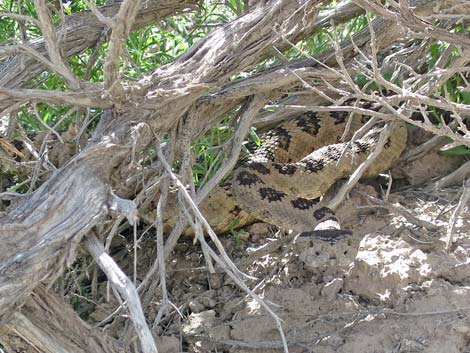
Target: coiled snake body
<point x="282" y="181"/>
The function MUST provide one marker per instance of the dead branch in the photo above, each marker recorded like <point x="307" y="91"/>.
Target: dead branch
<point x="66" y="332"/>
<point x="126" y="289"/>
<point x="83" y="30"/>
<point x="81" y="99"/>
<point x="121" y="25"/>
<point x="464" y="197"/>
<point x="456" y="177"/>
<point x="42" y="230"/>
<point x="52" y="43"/>
<point x="36" y="243"/>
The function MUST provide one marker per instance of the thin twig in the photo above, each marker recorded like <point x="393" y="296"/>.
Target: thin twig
<point x="102" y="18"/>
<point x="247" y="114"/>
<point x="354" y="178"/>
<point x="403" y="212"/>
<point x="455" y="215"/>
<point x="121" y="27"/>
<point x="20" y="17"/>
<point x="160" y="255"/>
<point x="51" y="40"/>
<point x="223" y="261"/>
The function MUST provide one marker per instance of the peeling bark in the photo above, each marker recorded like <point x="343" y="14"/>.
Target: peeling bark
<point x="50" y="325"/>
<point x="41" y="233"/>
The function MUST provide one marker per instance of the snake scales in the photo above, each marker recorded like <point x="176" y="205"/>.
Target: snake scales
<point x="282" y="181"/>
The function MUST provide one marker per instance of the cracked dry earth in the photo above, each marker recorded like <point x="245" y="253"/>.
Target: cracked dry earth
<point x="390" y="287"/>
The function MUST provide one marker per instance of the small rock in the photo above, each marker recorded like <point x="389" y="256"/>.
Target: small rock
<point x="259" y="231"/>
<point x="207" y="302"/>
<point x="198" y="322"/>
<point x="332" y="288"/>
<point x="216" y="280"/>
<point x="168" y="344"/>
<point x="195" y="306"/>
<point x="220" y="332"/>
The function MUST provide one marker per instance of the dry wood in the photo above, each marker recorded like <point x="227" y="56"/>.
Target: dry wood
<point x="82" y="30"/>
<point x="454" y="178"/>
<point x="126" y="289"/>
<point x="121" y="25"/>
<point x="50" y="325"/>
<point x="52" y="45"/>
<point x="463" y="201"/>
<point x="41" y="231"/>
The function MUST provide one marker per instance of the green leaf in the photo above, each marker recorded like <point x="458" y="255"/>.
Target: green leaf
<point x="465" y="97"/>
<point x="456" y="151"/>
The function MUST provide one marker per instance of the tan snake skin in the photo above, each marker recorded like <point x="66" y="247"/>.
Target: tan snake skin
<point x="298" y="162"/>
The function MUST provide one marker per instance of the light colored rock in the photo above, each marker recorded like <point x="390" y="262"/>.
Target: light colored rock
<point x="198" y="322"/>
<point x="386" y="268"/>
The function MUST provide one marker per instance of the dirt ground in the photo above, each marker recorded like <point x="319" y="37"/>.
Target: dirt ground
<point x="390" y="287"/>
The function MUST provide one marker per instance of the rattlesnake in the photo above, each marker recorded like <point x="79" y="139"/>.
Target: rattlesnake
<point x="282" y="181"/>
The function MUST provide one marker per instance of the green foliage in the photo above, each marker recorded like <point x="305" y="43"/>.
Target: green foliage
<point x="154" y="46"/>
<point x="49" y="115"/>
<point x="10" y="30"/>
<point x="364" y="82"/>
<point x="81" y="305"/>
<point x="158" y="44"/>
<point x="207" y="150"/>
<point x="452" y="88"/>
<point x="456" y="151"/>
<point x="240" y="237"/>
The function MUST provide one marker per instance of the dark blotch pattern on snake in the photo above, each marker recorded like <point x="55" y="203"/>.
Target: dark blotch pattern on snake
<point x="290" y="190"/>
<point x="270" y="187"/>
